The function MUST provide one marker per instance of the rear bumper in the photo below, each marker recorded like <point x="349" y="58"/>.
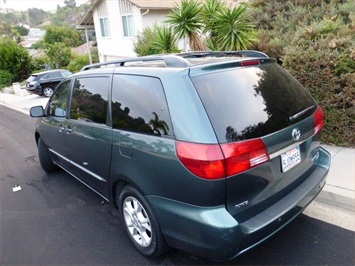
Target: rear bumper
<point x="35" y="89"/>
<point x="213" y="233"/>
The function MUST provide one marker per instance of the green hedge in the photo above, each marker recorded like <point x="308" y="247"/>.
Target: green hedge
<point x="316" y="42"/>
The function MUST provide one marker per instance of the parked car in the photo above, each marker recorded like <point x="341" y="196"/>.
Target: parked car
<point x="44" y="83"/>
<point x="211" y="152"/>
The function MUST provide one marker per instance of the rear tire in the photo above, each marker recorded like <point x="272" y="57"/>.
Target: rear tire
<point x="140" y="224"/>
<point x="45" y="158"/>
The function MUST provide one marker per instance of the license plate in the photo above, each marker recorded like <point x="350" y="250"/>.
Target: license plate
<point x="290" y="159"/>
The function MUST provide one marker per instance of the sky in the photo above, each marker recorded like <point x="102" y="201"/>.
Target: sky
<point x="47" y="5"/>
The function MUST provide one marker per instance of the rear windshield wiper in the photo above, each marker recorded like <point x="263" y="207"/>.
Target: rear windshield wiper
<point x="299" y="114"/>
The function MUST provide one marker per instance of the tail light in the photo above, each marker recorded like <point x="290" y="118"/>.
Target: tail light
<point x="214" y="161"/>
<point x="318" y="120"/>
<point x="203" y="160"/>
<point x="244" y="155"/>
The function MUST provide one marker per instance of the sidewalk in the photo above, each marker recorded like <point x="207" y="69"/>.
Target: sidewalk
<point x="340" y="187"/>
<point x="339" y="190"/>
<point x="23" y="101"/>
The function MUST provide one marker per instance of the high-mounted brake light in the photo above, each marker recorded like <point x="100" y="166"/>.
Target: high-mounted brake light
<point x="214" y="161"/>
<point x="318" y="120"/>
<point x="250" y="63"/>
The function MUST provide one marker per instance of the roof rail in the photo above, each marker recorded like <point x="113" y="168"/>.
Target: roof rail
<point x="242" y="53"/>
<point x="170" y="61"/>
<point x="178" y="60"/>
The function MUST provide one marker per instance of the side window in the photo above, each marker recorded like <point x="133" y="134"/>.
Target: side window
<point x="89" y="101"/>
<point x="139" y="105"/>
<point x="59" y="102"/>
<point x="128" y="26"/>
<point x="104" y="25"/>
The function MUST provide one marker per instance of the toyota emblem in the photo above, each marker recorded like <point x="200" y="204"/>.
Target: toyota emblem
<point x="296" y="134"/>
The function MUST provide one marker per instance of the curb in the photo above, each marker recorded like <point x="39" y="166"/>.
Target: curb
<point x="336" y="200"/>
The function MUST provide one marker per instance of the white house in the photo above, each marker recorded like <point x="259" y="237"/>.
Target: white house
<point x="117" y="22"/>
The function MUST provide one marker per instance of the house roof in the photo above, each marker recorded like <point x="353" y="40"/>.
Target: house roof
<point x="88" y="20"/>
<point x="155" y="4"/>
<point x="167" y="4"/>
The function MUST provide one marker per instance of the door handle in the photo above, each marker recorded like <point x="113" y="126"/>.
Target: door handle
<point x="69" y="130"/>
<point x="61" y="128"/>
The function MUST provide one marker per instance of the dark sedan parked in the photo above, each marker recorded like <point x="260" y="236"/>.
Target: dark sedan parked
<point x="43" y="83"/>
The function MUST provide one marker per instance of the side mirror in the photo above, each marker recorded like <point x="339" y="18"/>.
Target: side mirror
<point x="59" y="112"/>
<point x="37" y="111"/>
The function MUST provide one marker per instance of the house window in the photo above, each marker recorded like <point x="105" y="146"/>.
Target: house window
<point x="128" y="28"/>
<point x="104" y="27"/>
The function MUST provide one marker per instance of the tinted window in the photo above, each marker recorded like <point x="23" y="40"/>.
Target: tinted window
<point x="59" y="102"/>
<point x="251" y="102"/>
<point x="65" y="73"/>
<point x="89" y="101"/>
<point x="139" y="105"/>
<point x="52" y="75"/>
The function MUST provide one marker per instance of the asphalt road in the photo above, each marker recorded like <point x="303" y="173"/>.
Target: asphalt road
<point x="55" y="220"/>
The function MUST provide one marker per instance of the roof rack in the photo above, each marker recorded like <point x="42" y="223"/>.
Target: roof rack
<point x="178" y="60"/>
<point x="242" y="53"/>
<point x="169" y="60"/>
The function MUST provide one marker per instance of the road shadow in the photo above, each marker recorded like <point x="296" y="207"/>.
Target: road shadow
<point x="62" y="222"/>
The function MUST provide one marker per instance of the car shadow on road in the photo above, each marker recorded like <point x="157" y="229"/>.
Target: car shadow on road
<point x="70" y="224"/>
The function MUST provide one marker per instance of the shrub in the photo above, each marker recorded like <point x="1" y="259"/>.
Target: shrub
<point x="145" y="42"/>
<point x="15" y="59"/>
<point x="316" y="42"/>
<point x="78" y="62"/>
<point x="5" y="78"/>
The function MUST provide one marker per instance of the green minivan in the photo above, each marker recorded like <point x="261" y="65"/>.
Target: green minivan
<point x="207" y="152"/>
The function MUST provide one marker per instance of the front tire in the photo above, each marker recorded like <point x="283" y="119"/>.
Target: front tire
<point x="140" y="223"/>
<point x="45" y="158"/>
<point x="47" y="91"/>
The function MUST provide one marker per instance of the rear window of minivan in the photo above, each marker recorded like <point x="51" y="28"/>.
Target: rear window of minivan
<point x="251" y="102"/>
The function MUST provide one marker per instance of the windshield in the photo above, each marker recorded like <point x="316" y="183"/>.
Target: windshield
<point x="251" y="102"/>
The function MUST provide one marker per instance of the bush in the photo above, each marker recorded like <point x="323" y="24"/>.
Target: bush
<point x="15" y="59"/>
<point x="78" y="62"/>
<point x="316" y="41"/>
<point x="5" y="78"/>
<point x="145" y="42"/>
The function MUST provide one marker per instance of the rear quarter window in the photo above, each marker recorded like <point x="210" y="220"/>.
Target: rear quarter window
<point x="251" y="102"/>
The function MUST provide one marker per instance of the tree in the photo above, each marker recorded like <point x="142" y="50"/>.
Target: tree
<point x="209" y="15"/>
<point x="70" y="3"/>
<point x="144" y="44"/>
<point x="233" y="31"/>
<point x="23" y="31"/>
<point x="59" y="55"/>
<point x="155" y="40"/>
<point x="14" y="59"/>
<point x="186" y="21"/>
<point x="36" y="16"/>
<point x="66" y="35"/>
<point x="165" y="40"/>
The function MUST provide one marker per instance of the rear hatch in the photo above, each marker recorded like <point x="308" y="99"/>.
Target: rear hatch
<point x="31" y="81"/>
<point x="258" y="107"/>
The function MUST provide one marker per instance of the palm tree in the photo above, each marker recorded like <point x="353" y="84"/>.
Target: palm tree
<point x="165" y="40"/>
<point x="209" y="12"/>
<point x="186" y="21"/>
<point x="233" y="31"/>
<point x="158" y="125"/>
